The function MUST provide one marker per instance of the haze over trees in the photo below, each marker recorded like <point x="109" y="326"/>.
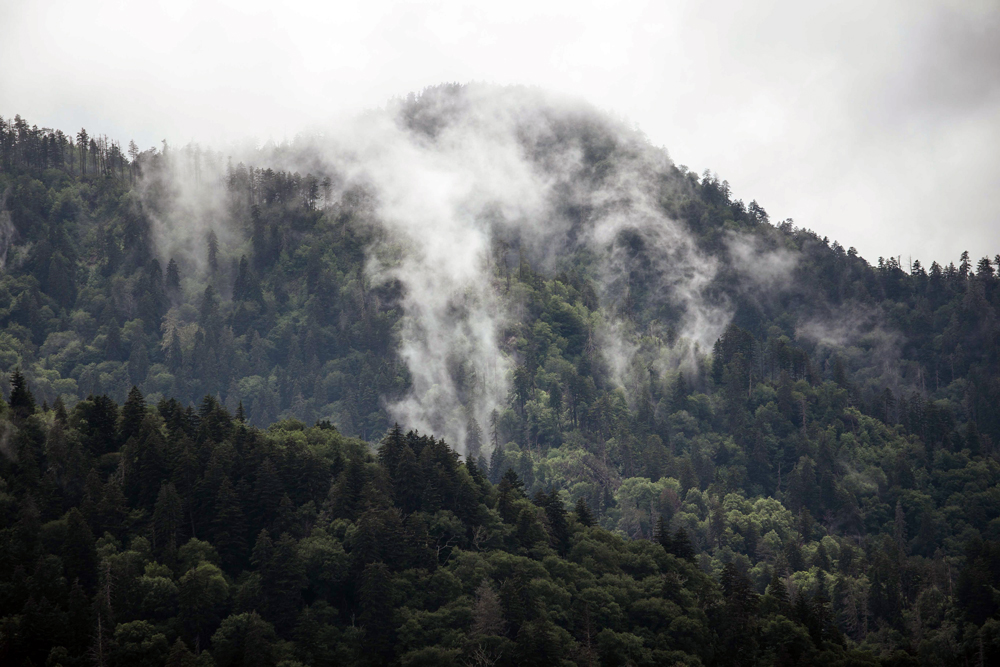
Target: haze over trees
<point x="655" y="427"/>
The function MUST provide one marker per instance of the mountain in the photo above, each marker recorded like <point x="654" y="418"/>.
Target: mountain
<point x="494" y="304"/>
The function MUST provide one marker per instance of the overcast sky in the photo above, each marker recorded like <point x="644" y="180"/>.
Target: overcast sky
<point x="875" y="123"/>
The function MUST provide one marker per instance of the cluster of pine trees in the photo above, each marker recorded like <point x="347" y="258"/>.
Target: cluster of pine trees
<point x="142" y="535"/>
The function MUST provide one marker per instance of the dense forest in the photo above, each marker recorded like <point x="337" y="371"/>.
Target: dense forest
<point x="718" y="439"/>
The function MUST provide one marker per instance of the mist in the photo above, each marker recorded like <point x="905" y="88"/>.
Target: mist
<point x="458" y="168"/>
<point x="462" y="185"/>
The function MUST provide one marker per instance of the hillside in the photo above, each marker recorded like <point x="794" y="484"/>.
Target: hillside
<point x="585" y="323"/>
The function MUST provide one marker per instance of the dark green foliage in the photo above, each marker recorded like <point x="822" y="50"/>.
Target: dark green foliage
<point x="583" y="513"/>
<point x="22" y="402"/>
<point x="847" y="470"/>
<point x="427" y="573"/>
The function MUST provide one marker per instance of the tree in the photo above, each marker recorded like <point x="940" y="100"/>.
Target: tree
<point x="739" y="617"/>
<point x="244" y="640"/>
<point x="138" y="362"/>
<point x="180" y="655"/>
<point x="22" y="402"/>
<point x="246" y="287"/>
<point x="391" y="450"/>
<point x="78" y="554"/>
<point x="473" y="440"/>
<point x="681" y="545"/>
<point x="133" y="414"/>
<point x="202" y="592"/>
<point x="173" y="279"/>
<point x="81" y="141"/>
<point x="376" y="604"/>
<point x="229" y="525"/>
<point x="556" y="514"/>
<point x="662" y="534"/>
<point x="268" y="491"/>
<point x="509" y="490"/>
<point x="113" y="348"/>
<point x="138" y="643"/>
<point x="583" y="513"/>
<point x="212" y="242"/>
<point x="168" y="515"/>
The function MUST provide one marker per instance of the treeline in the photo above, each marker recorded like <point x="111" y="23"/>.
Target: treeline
<point x="35" y="150"/>
<point x="141" y="535"/>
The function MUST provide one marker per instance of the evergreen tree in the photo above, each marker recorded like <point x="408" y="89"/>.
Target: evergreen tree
<point x="583" y="513"/>
<point x="22" y="402"/>
<point x="681" y="545"/>
<point x="212" y="243"/>
<point x="376" y="605"/>
<point x="229" y="525"/>
<point x="391" y="450"/>
<point x="168" y="516"/>
<point x="173" y="278"/>
<point x="473" y="440"/>
<point x="79" y="556"/>
<point x="133" y="414"/>
<point x="662" y="534"/>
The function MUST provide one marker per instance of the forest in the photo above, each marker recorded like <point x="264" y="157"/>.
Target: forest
<point x="692" y="436"/>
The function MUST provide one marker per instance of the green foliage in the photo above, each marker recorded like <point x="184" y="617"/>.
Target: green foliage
<point x="821" y="488"/>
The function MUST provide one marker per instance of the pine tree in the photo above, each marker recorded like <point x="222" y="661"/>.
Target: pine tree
<point x="268" y="491"/>
<point x="229" y="525"/>
<point x="79" y="555"/>
<point x="61" y="416"/>
<point x="583" y="513"/>
<point x="556" y="514"/>
<point x="133" y="414"/>
<point x="376" y="603"/>
<point x="212" y="242"/>
<point x="498" y="465"/>
<point x="473" y="440"/>
<point x="180" y="655"/>
<point x="168" y="516"/>
<point x="391" y="450"/>
<point x="173" y="278"/>
<point x="777" y="591"/>
<point x="138" y="362"/>
<point x="662" y="534"/>
<point x="682" y="547"/>
<point x="409" y="482"/>
<point x="22" y="402"/>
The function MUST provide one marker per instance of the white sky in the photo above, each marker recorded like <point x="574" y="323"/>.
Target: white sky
<point x="875" y="123"/>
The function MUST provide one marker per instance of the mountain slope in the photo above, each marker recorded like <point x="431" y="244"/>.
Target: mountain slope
<point x="533" y="282"/>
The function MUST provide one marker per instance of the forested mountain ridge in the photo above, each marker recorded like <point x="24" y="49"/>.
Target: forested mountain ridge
<point x="629" y="341"/>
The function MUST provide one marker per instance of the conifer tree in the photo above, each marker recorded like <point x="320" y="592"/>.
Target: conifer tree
<point x="79" y="556"/>
<point x="473" y="440"/>
<point x="61" y="416"/>
<point x="133" y="414"/>
<point x="22" y="402"/>
<point x="682" y="547"/>
<point x="168" y="516"/>
<point x="173" y="278"/>
<point x="583" y="513"/>
<point x="229" y="525"/>
<point x="662" y="534"/>
<point x="180" y="655"/>
<point x="212" y="243"/>
<point x="376" y="604"/>
<point x="268" y="491"/>
<point x="391" y="450"/>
